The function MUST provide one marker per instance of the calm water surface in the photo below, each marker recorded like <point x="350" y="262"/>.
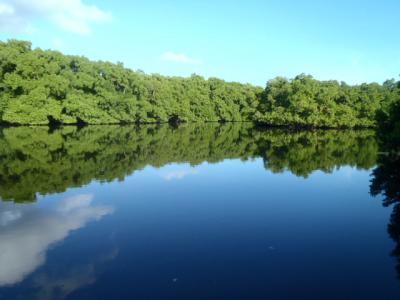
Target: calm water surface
<point x="198" y="212"/>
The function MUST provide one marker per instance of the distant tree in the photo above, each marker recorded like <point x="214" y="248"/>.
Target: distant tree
<point x="42" y="87"/>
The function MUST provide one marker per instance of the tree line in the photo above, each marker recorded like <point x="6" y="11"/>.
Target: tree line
<point x="46" y="87"/>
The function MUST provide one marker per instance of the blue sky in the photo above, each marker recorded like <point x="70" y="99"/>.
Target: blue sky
<point x="247" y="41"/>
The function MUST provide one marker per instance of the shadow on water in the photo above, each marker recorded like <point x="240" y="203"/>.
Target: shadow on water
<point x="386" y="183"/>
<point x="38" y="161"/>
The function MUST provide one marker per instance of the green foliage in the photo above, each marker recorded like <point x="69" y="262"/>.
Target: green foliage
<point x="36" y="160"/>
<point x="389" y="121"/>
<point x="306" y="102"/>
<point x="42" y="87"/>
<point x="45" y="87"/>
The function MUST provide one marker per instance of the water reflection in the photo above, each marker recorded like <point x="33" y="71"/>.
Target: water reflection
<point x="27" y="232"/>
<point x="35" y="160"/>
<point x="242" y="230"/>
<point x="59" y="284"/>
<point x="386" y="183"/>
<point x="170" y="174"/>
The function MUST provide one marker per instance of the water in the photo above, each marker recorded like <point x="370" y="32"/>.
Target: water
<point x="198" y="212"/>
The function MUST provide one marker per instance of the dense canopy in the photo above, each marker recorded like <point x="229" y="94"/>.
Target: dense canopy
<point x="46" y="87"/>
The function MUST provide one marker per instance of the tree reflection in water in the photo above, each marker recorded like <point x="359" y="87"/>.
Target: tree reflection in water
<point x="386" y="182"/>
<point x="38" y="161"/>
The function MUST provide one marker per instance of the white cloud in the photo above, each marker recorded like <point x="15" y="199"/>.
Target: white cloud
<point x="179" y="174"/>
<point x="75" y="202"/>
<point x="8" y="216"/>
<point x="26" y="232"/>
<point x="70" y="15"/>
<point x="180" y="58"/>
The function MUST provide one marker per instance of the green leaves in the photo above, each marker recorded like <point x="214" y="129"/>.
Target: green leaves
<point x="33" y="108"/>
<point x="41" y="87"/>
<point x="306" y="102"/>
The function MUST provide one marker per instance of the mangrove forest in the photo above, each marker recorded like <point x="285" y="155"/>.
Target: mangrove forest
<point x="39" y="87"/>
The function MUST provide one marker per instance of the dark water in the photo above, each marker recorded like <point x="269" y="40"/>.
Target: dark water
<point x="198" y="212"/>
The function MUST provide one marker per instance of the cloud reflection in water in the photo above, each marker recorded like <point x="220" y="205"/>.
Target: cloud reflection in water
<point x="27" y="232"/>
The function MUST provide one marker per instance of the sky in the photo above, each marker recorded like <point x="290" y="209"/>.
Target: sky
<point x="247" y="41"/>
